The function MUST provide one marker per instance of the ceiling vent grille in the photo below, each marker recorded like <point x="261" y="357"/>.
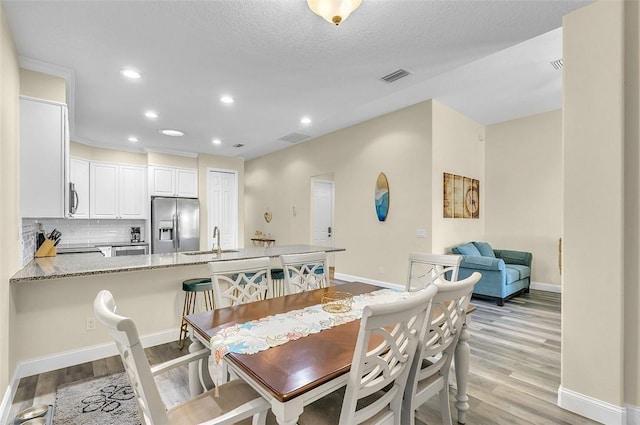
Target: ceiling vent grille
<point x="557" y="64"/>
<point x="238" y="145"/>
<point x="294" y="137"/>
<point x="395" y="75"/>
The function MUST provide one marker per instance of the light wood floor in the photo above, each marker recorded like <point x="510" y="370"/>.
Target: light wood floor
<point x="514" y="377"/>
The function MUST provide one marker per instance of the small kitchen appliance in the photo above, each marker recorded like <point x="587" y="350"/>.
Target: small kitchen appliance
<point x="135" y="234"/>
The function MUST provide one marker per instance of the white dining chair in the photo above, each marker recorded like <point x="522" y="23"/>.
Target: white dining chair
<point x="426" y="269"/>
<point x="429" y="374"/>
<point x="378" y="375"/>
<point x="305" y="272"/>
<point x="236" y="402"/>
<point x="240" y="281"/>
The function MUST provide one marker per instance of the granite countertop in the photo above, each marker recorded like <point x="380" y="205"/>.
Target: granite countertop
<point x="90" y="263"/>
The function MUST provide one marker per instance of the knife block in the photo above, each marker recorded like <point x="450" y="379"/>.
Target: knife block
<point x="47" y="249"/>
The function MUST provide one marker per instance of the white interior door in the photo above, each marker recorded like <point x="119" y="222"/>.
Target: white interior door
<point x="323" y="212"/>
<point x="222" y="189"/>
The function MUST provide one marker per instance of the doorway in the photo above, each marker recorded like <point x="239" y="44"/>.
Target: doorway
<point x="222" y="206"/>
<point x="322" y="212"/>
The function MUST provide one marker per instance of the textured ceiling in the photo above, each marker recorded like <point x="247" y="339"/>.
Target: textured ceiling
<point x="487" y="59"/>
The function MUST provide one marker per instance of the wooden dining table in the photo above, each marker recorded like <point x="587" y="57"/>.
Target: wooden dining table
<point x="298" y="372"/>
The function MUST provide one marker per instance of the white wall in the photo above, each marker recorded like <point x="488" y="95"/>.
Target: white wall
<point x="593" y="328"/>
<point x="523" y="195"/>
<point x="457" y="149"/>
<point x="9" y="175"/>
<point x="398" y="144"/>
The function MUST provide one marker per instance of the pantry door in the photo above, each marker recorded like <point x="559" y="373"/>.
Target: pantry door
<point x="222" y="205"/>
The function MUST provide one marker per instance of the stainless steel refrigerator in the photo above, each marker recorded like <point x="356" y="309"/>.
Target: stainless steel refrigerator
<point x="175" y="225"/>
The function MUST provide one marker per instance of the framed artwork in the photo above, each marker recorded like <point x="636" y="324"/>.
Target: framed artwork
<point x="460" y="196"/>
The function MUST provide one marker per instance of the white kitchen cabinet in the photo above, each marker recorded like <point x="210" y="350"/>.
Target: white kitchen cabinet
<point x="79" y="178"/>
<point x="44" y="147"/>
<point x="171" y="181"/>
<point x="118" y="191"/>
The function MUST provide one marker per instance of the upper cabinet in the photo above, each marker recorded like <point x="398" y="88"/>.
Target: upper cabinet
<point x="170" y="181"/>
<point x="44" y="147"/>
<point x="78" y="188"/>
<point x="118" y="191"/>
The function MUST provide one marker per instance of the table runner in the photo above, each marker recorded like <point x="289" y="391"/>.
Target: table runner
<point x="271" y="331"/>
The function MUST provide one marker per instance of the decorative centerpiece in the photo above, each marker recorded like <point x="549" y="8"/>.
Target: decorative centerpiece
<point x="336" y="302"/>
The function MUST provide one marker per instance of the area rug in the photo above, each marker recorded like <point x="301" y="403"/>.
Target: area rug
<point x="98" y="401"/>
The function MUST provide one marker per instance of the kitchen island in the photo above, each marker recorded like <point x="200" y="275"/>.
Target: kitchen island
<point x="53" y="325"/>
<point x="93" y="263"/>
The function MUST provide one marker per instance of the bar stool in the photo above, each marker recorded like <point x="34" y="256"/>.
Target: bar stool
<point x="191" y="287"/>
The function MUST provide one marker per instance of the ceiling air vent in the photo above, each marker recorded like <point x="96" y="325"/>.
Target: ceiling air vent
<point x="294" y="137"/>
<point x="395" y="75"/>
<point x="557" y="64"/>
<point x="238" y="145"/>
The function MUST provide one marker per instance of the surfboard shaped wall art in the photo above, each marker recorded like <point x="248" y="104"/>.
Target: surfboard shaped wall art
<point x="382" y="197"/>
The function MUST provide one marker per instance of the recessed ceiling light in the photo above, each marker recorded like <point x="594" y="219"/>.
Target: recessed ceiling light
<point x="172" y="132"/>
<point x="151" y="115"/>
<point x="226" y="99"/>
<point x="216" y="141"/>
<point x="133" y="139"/>
<point x="130" y="73"/>
<point x="305" y="120"/>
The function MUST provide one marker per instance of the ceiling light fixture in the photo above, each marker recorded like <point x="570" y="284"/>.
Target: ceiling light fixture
<point x="226" y="99"/>
<point x="133" y="139"/>
<point x="216" y="142"/>
<point x="333" y="11"/>
<point x="172" y="132"/>
<point x="305" y="120"/>
<point x="151" y="115"/>
<point x="130" y="73"/>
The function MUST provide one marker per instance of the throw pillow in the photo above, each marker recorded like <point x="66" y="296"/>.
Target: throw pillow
<point x="466" y="249"/>
<point x="485" y="249"/>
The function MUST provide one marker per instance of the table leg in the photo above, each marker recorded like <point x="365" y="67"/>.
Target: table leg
<point x="289" y="412"/>
<point x="199" y="376"/>
<point x="461" y="357"/>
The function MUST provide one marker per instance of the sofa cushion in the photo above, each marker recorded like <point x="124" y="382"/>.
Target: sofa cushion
<point x="485" y="249"/>
<point x="513" y="275"/>
<point x="466" y="249"/>
<point x="524" y="271"/>
<point x="482" y="263"/>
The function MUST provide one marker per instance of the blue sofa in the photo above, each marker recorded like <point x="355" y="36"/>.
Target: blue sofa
<point x="505" y="273"/>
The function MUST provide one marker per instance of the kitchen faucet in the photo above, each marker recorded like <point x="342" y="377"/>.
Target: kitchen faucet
<point x="216" y="233"/>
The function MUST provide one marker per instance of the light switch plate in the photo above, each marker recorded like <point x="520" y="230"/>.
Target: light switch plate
<point x="421" y="233"/>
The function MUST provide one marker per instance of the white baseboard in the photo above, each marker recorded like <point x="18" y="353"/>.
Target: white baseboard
<point x="540" y="286"/>
<point x="352" y="278"/>
<point x="549" y="287"/>
<point x="633" y="415"/>
<point x="7" y="400"/>
<point x="592" y="408"/>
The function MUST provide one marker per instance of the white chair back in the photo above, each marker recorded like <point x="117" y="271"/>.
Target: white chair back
<point x="305" y="272"/>
<point x="429" y="373"/>
<point x="396" y="328"/>
<point x="426" y="269"/>
<point x="124" y="333"/>
<point x="240" y="281"/>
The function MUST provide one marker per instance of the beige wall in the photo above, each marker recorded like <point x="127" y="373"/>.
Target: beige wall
<point x="398" y="144"/>
<point x="523" y="191"/>
<point x="155" y="158"/>
<point x="632" y="204"/>
<point x="80" y="150"/>
<point x="457" y="149"/>
<point x="42" y="86"/>
<point x="9" y="174"/>
<point x="593" y="329"/>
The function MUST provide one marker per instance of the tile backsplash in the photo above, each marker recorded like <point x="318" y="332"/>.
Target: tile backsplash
<point x="77" y="232"/>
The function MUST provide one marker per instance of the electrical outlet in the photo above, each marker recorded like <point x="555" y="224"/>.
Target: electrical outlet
<point x="381" y="270"/>
<point x="91" y="323"/>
